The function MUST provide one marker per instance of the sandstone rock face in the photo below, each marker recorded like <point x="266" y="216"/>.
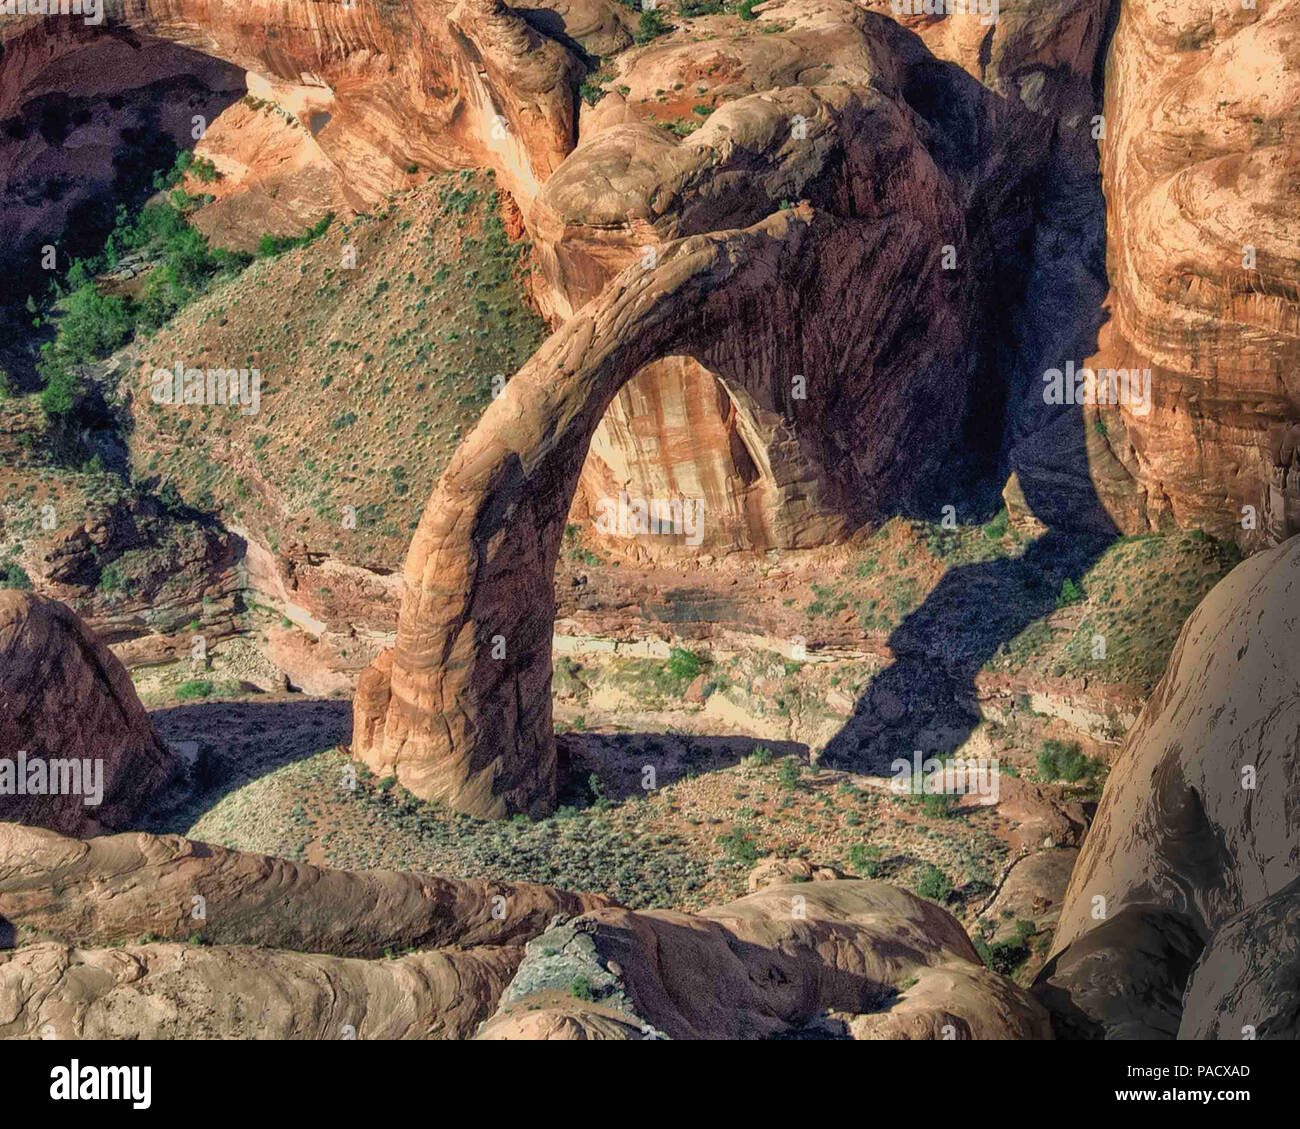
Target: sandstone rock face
<point x="1246" y="980"/>
<point x="467" y="702"/>
<point x="1204" y="257"/>
<point x="71" y="101"/>
<point x="173" y="991"/>
<point x="775" y="871"/>
<point x="1195" y="845"/>
<point x="283" y="951"/>
<point x="64" y="696"/>
<point x="377" y="86"/>
<point x="284" y="945"/>
<point x="893" y="964"/>
<point x="678" y="429"/>
<point x="121" y="887"/>
<point x="904" y="159"/>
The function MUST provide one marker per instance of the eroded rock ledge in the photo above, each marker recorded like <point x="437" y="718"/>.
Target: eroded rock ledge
<point x="868" y="959"/>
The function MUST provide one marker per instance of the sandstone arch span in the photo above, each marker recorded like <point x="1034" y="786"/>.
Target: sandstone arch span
<point x="460" y="708"/>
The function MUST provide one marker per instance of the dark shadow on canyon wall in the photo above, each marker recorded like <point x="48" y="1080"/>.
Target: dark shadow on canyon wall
<point x="926" y="699"/>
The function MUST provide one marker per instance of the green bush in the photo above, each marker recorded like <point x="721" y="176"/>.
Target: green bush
<point x="788" y="776"/>
<point x="1070" y="594"/>
<point x="683" y="665"/>
<point x="746" y="9"/>
<point x="1004" y="957"/>
<point x="59" y="395"/>
<point x="997" y="526"/>
<point x="194" y="688"/>
<point x="740" y="846"/>
<point x="934" y="884"/>
<point x="92" y="325"/>
<point x="13" y="576"/>
<point x="651" y="25"/>
<point x="270" y="244"/>
<point x="865" y="860"/>
<point x="111" y="579"/>
<point x="1060" y="761"/>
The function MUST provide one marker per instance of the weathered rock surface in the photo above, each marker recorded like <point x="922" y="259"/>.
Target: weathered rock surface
<point x="122" y="887"/>
<point x="849" y="100"/>
<point x="378" y="86"/>
<point x="1197" y="827"/>
<point x="279" y="952"/>
<point x="1247" y="982"/>
<point x="773" y="871"/>
<point x="765" y="966"/>
<point x="1204" y="256"/>
<point x="173" y="991"/>
<point x="64" y="696"/>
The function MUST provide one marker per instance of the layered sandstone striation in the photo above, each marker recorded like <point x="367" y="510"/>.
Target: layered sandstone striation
<point x="64" y="697"/>
<point x="178" y="991"/>
<point x="376" y="86"/>
<point x="283" y="950"/>
<point x="119" y="887"/>
<point x="1199" y="160"/>
<point x="882" y="962"/>
<point x="1180" y="915"/>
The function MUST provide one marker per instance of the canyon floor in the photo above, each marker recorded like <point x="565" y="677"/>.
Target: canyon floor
<point x="734" y="729"/>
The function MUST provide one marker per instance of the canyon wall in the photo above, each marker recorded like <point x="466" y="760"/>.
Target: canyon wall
<point x="1200" y="157"/>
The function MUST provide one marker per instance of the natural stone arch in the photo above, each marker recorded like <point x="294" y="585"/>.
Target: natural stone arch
<point x="460" y="709"/>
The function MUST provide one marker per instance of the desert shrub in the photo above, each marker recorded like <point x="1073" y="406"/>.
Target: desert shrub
<point x="740" y="846"/>
<point x="1060" y="761"/>
<point x="1070" y="594"/>
<point x="193" y="689"/>
<point x="682" y="664"/>
<point x="865" y="860"/>
<point x="111" y="579"/>
<point x="651" y="25"/>
<point x="1004" y="957"/>
<point x="14" y="576"/>
<point x="997" y="526"/>
<point x="788" y="776"/>
<point x="934" y="884"/>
